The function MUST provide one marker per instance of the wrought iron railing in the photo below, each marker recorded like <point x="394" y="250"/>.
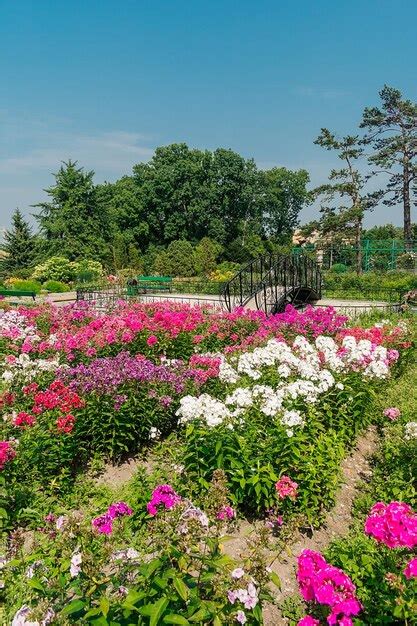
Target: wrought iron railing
<point x="272" y="279"/>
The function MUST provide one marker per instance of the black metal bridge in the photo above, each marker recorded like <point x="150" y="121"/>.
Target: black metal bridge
<point x="269" y="283"/>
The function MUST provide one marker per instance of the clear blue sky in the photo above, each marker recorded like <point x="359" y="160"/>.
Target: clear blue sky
<point x="106" y="81"/>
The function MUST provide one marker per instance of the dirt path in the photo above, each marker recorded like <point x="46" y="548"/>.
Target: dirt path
<point x="354" y="468"/>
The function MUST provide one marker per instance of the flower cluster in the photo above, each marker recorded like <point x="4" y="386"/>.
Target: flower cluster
<point x="410" y="570"/>
<point x="325" y="584"/>
<point x="7" y="453"/>
<point x="226" y="513"/>
<point x="394" y="524"/>
<point x="392" y="413"/>
<point x="162" y="495"/>
<point x="103" y="524"/>
<point x="410" y="431"/>
<point x="286" y="488"/>
<point x="305" y="370"/>
<point x="25" y="369"/>
<point x="244" y="591"/>
<point x="23" y="419"/>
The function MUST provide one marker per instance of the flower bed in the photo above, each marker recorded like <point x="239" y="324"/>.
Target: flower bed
<point x="269" y="406"/>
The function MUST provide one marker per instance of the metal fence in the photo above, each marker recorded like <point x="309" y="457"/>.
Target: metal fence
<point x="391" y="254"/>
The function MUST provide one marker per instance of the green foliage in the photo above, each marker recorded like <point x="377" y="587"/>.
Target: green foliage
<point x="352" y="285"/>
<point x="72" y="222"/>
<point x="23" y="285"/>
<point x="177" y="260"/>
<point x="175" y="572"/>
<point x="182" y="194"/>
<point x="19" y="246"/>
<point x="406" y="261"/>
<point x="285" y="196"/>
<point x="206" y="254"/>
<point x="60" y="269"/>
<point x="392" y="133"/>
<point x="257" y="452"/>
<point x="55" y="286"/>
<point x="388" y="597"/>
<point x="339" y="268"/>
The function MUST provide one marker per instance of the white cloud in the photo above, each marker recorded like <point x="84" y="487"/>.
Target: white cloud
<point x="30" y="150"/>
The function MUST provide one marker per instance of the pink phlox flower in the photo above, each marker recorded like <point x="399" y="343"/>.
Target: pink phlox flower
<point x="392" y="413"/>
<point x="225" y="513"/>
<point x="328" y="585"/>
<point x="308" y="621"/>
<point x="410" y="570"/>
<point x="103" y="524"/>
<point x="286" y="487"/>
<point x="241" y="617"/>
<point x="119" y="509"/>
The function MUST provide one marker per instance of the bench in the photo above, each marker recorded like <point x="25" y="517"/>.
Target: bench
<point x="17" y="293"/>
<point x="148" y="283"/>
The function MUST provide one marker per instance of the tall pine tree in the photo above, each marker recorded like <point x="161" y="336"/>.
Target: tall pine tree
<point x="345" y="191"/>
<point x="18" y="246"/>
<point x="392" y="132"/>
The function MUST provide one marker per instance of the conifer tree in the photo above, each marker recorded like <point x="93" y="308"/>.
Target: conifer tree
<point x="18" y="245"/>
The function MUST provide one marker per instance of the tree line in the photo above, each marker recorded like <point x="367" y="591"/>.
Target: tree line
<point x="183" y="196"/>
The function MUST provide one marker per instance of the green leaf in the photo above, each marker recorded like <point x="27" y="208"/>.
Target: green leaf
<point x="181" y="588"/>
<point x="199" y="616"/>
<point x="155" y="611"/>
<point x="35" y="583"/>
<point x="73" y="607"/>
<point x="275" y="579"/>
<point x="104" y="605"/>
<point x="175" y="619"/>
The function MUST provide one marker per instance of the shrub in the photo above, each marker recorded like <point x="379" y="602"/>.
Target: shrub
<point x="55" y="286"/>
<point x="23" y="285"/>
<point x="61" y="269"/>
<point x="406" y="261"/>
<point x="206" y="254"/>
<point x="369" y="281"/>
<point x="339" y="268"/>
<point x="177" y="260"/>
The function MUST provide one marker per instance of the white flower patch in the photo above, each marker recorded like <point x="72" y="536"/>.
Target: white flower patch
<point x="306" y="370"/>
<point x="27" y="369"/>
<point x="213" y="411"/>
<point x="410" y="431"/>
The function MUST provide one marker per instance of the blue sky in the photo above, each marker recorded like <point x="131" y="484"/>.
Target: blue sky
<point x="106" y="81"/>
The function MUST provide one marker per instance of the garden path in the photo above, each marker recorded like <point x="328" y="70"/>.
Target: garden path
<point x="354" y="468"/>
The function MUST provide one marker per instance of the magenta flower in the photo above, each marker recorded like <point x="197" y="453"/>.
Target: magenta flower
<point x="308" y="621"/>
<point x="152" y="340"/>
<point x="286" y="488"/>
<point x="162" y="495"/>
<point x="7" y="453"/>
<point x="103" y="524"/>
<point x="394" y="524"/>
<point x="118" y="509"/>
<point x="328" y="585"/>
<point x="411" y="569"/>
